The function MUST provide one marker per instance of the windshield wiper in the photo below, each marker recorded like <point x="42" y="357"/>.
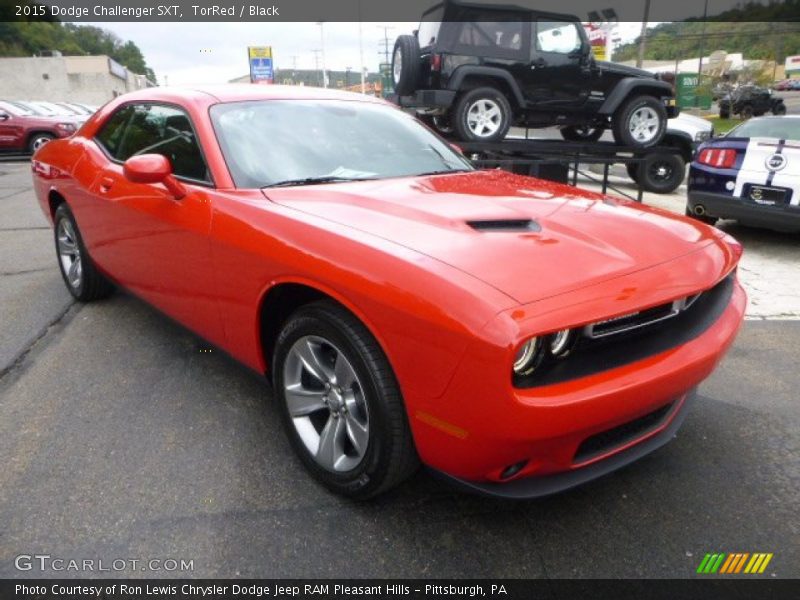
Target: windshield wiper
<point x="443" y="172"/>
<point x="314" y="181"/>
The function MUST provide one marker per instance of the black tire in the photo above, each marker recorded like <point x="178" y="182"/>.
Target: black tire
<point x="585" y="133"/>
<point x="92" y="285"/>
<point x="39" y="139"/>
<point x="627" y="111"/>
<point x="633" y="171"/>
<point x="469" y="101"/>
<point x="662" y="173"/>
<point x="746" y="111"/>
<point x="702" y="218"/>
<point x="779" y="109"/>
<point x="724" y="113"/>
<point x="439" y="123"/>
<point x="405" y="78"/>
<point x="390" y="456"/>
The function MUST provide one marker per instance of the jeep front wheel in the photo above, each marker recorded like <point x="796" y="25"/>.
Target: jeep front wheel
<point x="640" y="122"/>
<point x="405" y="65"/>
<point x="482" y="115"/>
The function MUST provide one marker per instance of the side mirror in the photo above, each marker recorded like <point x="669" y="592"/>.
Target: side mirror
<point x="4" y="116"/>
<point x="153" y="168"/>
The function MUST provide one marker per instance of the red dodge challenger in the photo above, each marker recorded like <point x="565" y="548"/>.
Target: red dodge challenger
<point x="517" y="336"/>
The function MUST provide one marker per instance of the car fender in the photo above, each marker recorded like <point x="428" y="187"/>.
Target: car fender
<point x="465" y="71"/>
<point x="631" y="85"/>
<point x="681" y="140"/>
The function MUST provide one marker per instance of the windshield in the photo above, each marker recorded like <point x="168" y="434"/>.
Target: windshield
<point x="774" y="127"/>
<point x="269" y="142"/>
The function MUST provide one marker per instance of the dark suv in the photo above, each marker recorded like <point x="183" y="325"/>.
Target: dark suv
<point x="476" y="70"/>
<point x="750" y="101"/>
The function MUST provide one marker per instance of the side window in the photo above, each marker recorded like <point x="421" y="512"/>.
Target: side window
<point x="557" y="36"/>
<point x="504" y="35"/>
<point x="157" y="129"/>
<point x="111" y="133"/>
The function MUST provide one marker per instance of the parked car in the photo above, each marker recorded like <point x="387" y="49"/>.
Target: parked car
<point x="782" y="85"/>
<point x="22" y="131"/>
<point x="750" y="100"/>
<point x="480" y="69"/>
<point x="751" y="175"/>
<point x="662" y="172"/>
<point x="517" y="335"/>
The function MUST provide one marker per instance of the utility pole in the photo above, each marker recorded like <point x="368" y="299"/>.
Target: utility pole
<point x="316" y="52"/>
<point x="386" y="52"/>
<point x="361" y="50"/>
<point x="294" y="68"/>
<point x="322" y="46"/>
<point x="643" y="35"/>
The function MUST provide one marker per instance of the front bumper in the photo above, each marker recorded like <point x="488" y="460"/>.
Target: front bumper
<point x="723" y="206"/>
<point x="638" y="447"/>
<point x="553" y="430"/>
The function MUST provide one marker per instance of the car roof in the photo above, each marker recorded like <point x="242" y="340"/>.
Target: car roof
<point x="241" y="92"/>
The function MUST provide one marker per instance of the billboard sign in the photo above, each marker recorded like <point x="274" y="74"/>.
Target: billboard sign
<point x="597" y="38"/>
<point x="261" y="68"/>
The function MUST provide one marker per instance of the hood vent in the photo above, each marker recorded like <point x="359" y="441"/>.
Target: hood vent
<point x="510" y="225"/>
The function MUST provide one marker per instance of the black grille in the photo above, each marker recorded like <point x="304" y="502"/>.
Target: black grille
<point x="631" y="321"/>
<point x="604" y="441"/>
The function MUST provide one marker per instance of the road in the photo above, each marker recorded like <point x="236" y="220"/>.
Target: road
<point x="122" y="437"/>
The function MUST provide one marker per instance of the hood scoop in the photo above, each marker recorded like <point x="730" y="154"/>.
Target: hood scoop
<point x="505" y="225"/>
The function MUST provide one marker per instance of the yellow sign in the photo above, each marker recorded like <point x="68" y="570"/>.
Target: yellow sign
<point x="599" y="52"/>
<point x="259" y="52"/>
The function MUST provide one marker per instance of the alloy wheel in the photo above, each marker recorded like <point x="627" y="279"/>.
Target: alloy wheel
<point x="326" y="403"/>
<point x="484" y="117"/>
<point x="69" y="253"/>
<point x="38" y="142"/>
<point x="643" y="124"/>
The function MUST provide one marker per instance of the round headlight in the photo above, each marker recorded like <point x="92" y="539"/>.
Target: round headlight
<point x="561" y="343"/>
<point x="528" y="356"/>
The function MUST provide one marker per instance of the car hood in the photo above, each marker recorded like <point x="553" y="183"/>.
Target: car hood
<point x="526" y="237"/>
<point x="624" y="70"/>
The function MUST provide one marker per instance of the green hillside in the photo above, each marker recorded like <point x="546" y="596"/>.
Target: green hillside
<point x="29" y="38"/>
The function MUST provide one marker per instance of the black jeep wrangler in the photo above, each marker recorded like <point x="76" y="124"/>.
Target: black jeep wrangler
<point x="750" y="101"/>
<point x="477" y="69"/>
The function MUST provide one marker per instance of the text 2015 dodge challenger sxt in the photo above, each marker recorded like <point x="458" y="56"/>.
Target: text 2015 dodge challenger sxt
<point x="519" y="336"/>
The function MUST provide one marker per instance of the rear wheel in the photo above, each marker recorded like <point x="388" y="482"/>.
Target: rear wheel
<point x="81" y="277"/>
<point x="640" y="122"/>
<point x="405" y="65"/>
<point x="724" y="113"/>
<point x="482" y="115"/>
<point x="746" y="111"/>
<point x="340" y="402"/>
<point x="582" y="133"/>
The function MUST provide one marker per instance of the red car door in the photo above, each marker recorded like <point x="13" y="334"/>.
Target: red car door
<point x="153" y="243"/>
<point x="11" y="131"/>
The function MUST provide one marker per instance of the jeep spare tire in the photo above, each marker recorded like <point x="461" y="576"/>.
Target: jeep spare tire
<point x="482" y="115"/>
<point x="640" y="122"/>
<point x="405" y="65"/>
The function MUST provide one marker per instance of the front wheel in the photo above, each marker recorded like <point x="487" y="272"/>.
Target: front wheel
<point x="38" y="140"/>
<point x="779" y="109"/>
<point x="661" y="173"/>
<point x="340" y="402"/>
<point x="482" y="115"/>
<point x="81" y="277"/>
<point x="640" y="122"/>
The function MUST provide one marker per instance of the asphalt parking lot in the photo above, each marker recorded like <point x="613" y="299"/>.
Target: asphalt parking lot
<point x="122" y="436"/>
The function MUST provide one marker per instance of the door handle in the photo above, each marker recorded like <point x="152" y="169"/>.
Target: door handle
<point x="106" y="183"/>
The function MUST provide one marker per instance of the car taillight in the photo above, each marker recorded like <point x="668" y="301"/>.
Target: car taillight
<point x="436" y="62"/>
<point x="715" y="157"/>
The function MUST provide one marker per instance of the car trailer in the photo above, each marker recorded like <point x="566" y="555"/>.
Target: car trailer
<point x="558" y="160"/>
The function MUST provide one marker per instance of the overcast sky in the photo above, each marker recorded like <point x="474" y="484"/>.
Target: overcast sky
<point x="196" y="53"/>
